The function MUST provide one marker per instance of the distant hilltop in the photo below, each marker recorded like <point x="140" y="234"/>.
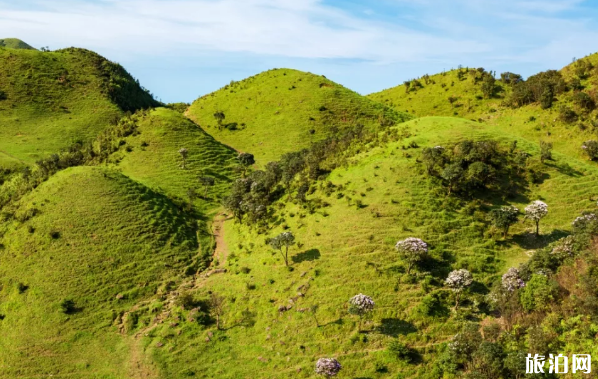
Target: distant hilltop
<point x="15" y="43"/>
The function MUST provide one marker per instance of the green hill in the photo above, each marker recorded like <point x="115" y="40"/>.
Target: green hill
<point x="50" y="99"/>
<point x="570" y="119"/>
<point x="151" y="156"/>
<point x="14" y="43"/>
<point x="100" y="239"/>
<point x="346" y="234"/>
<point x="283" y="110"/>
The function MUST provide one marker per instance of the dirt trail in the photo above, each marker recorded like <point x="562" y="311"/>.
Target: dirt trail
<point x="221" y="251"/>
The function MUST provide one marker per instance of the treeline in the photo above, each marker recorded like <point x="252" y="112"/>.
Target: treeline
<point x="295" y="173"/>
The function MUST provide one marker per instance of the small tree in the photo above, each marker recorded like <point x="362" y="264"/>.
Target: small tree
<point x="216" y="303"/>
<point x="504" y="217"/>
<point x="591" y="149"/>
<point x="219" y="116"/>
<point x="206" y="182"/>
<point x="192" y="195"/>
<point x="511" y="280"/>
<point x="328" y="367"/>
<point x="245" y="160"/>
<point x="184" y="153"/>
<point x="433" y="157"/>
<point x="412" y="250"/>
<point x="536" y="211"/>
<point x="360" y="305"/>
<point x="458" y="281"/>
<point x="283" y="240"/>
<point x="452" y="174"/>
<point x="488" y="86"/>
<point x="545" y="151"/>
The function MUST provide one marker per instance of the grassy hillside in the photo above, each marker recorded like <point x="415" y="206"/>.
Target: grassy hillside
<point x="100" y="239"/>
<point x="14" y="43"/>
<point x="50" y="99"/>
<point x="283" y="110"/>
<point x="151" y="156"/>
<point x="529" y="121"/>
<point x="346" y="247"/>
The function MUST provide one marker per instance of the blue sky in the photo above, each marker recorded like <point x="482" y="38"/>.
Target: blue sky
<point x="182" y="49"/>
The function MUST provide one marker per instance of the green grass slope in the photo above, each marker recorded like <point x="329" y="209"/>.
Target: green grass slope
<point x="283" y="110"/>
<point x="14" y="43"/>
<point x="531" y="121"/>
<point x="151" y="156"/>
<point x="106" y="242"/>
<point x="345" y="250"/>
<point x="50" y="99"/>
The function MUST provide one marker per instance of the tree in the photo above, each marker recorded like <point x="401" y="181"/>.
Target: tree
<point x="407" y="84"/>
<point x="184" y="153"/>
<point x="488" y="86"/>
<point x="207" y="182"/>
<point x="219" y="116"/>
<point x="283" y="240"/>
<point x="328" y="367"/>
<point x="412" y="250"/>
<point x="433" y="157"/>
<point x="192" y="195"/>
<point x="546" y="98"/>
<point x="545" y="151"/>
<point x="504" y="217"/>
<point x="458" y="281"/>
<point x="511" y="280"/>
<point x="246" y="160"/>
<point x="536" y="211"/>
<point x="452" y="174"/>
<point x="584" y="101"/>
<point x="591" y="149"/>
<point x="537" y="294"/>
<point x="216" y="303"/>
<point x="360" y="305"/>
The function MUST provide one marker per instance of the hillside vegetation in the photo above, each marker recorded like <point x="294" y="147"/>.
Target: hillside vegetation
<point x="48" y="100"/>
<point x="283" y="110"/>
<point x="101" y="240"/>
<point x="14" y="43"/>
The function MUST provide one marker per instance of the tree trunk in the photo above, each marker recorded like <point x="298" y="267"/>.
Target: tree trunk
<point x="218" y="321"/>
<point x="538" y="228"/>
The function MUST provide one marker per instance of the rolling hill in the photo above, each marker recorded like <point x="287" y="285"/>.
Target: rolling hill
<point x="48" y="100"/>
<point x="14" y="43"/>
<point x="283" y="110"/>
<point x="95" y="237"/>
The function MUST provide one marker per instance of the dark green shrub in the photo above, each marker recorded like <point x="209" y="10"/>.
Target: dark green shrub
<point x="399" y="350"/>
<point x="67" y="306"/>
<point x="584" y="101"/>
<point x="591" y="149"/>
<point x="567" y="115"/>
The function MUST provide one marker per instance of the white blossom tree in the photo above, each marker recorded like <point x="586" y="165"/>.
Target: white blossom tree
<point x="328" y="367"/>
<point x="458" y="281"/>
<point x="360" y="305"/>
<point x="412" y="250"/>
<point x="536" y="211"/>
<point x="511" y="280"/>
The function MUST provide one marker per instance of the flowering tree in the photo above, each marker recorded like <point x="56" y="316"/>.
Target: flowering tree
<point x="504" y="217"/>
<point x="585" y="222"/>
<point x="360" y="305"/>
<point x="536" y="211"/>
<point x="184" y="152"/>
<point x="328" y="367"/>
<point x="511" y="280"/>
<point x="412" y="251"/>
<point x="283" y="240"/>
<point x="458" y="281"/>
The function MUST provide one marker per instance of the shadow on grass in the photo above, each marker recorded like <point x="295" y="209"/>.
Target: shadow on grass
<point x="308" y="255"/>
<point x="565" y="169"/>
<point x="394" y="327"/>
<point x="339" y="321"/>
<point x="531" y="241"/>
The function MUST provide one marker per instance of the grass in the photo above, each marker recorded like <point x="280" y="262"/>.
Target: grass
<point x="14" y="43"/>
<point x="101" y="239"/>
<point x="51" y="99"/>
<point x="347" y="250"/>
<point x="283" y="110"/>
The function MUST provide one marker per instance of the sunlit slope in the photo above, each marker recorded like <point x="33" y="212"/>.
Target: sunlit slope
<point x="283" y="110"/>
<point x="447" y="95"/>
<point x="14" y="43"/>
<point x="151" y="156"/>
<point x="50" y="99"/>
<point x="344" y="250"/>
<point x="100" y="239"/>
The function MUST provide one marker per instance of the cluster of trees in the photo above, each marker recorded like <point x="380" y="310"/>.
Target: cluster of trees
<point x="472" y="165"/>
<point x="545" y="304"/>
<point x="542" y="88"/>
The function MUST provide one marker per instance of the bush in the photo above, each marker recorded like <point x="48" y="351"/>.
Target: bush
<point x="67" y="306"/>
<point x="3" y="95"/>
<point x="399" y="350"/>
<point x="584" y="101"/>
<point x="591" y="149"/>
<point x="545" y="151"/>
<point x="538" y="293"/>
<point x="567" y="115"/>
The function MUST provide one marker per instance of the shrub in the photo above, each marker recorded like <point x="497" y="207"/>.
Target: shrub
<point x="584" y="101"/>
<point x="567" y="115"/>
<point x="504" y="217"/>
<point x="538" y="293"/>
<point x="545" y="151"/>
<point x="591" y="149"/>
<point x="399" y="350"/>
<point x="3" y="95"/>
<point x="67" y="306"/>
<point x="328" y="367"/>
